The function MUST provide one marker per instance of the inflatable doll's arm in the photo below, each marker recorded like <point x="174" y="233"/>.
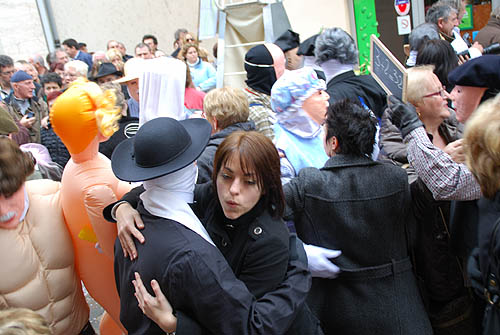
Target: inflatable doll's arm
<point x="96" y="199"/>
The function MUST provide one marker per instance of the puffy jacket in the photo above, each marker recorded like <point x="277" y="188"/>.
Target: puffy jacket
<point x="37" y="263"/>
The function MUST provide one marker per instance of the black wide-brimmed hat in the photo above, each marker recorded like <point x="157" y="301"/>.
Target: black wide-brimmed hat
<point x="161" y="146"/>
<point x="106" y="69"/>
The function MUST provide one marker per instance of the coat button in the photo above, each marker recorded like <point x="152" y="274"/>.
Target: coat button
<point x="224" y="243"/>
<point x="257" y="231"/>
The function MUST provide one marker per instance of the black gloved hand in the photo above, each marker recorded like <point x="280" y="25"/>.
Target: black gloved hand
<point x="404" y="116"/>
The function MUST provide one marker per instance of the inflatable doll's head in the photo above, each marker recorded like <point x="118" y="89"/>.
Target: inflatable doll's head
<point x="82" y="112"/>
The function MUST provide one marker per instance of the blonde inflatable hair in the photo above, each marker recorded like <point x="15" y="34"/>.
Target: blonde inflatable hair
<point x="482" y="146"/>
<point x="83" y="111"/>
<point x="418" y="76"/>
<point x="227" y="105"/>
<point x="120" y="98"/>
<point x="22" y="321"/>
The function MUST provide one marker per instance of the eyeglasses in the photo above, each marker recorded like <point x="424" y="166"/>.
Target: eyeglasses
<point x="442" y="92"/>
<point x="8" y="72"/>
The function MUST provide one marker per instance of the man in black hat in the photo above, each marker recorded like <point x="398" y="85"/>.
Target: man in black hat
<point x="107" y="73"/>
<point x="179" y="253"/>
<point x="289" y="42"/>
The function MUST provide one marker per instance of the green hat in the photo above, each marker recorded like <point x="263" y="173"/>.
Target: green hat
<point x="7" y="124"/>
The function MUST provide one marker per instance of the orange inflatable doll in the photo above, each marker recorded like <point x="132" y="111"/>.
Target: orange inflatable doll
<point x="83" y="116"/>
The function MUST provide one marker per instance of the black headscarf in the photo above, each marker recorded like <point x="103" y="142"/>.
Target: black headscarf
<point x="288" y="40"/>
<point x="260" y="77"/>
<point x="306" y="48"/>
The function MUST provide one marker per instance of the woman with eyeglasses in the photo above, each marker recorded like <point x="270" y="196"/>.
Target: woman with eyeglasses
<point x="438" y="266"/>
<point x="202" y="72"/>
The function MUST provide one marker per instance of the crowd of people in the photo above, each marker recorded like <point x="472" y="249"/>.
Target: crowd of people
<point x="309" y="202"/>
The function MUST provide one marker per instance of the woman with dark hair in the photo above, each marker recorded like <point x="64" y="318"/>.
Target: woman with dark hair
<point x="440" y="54"/>
<point x="241" y="210"/>
<point x="363" y="208"/>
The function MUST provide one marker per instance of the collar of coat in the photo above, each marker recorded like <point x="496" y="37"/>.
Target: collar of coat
<point x="341" y="161"/>
<point x="10" y="98"/>
<point x="341" y="77"/>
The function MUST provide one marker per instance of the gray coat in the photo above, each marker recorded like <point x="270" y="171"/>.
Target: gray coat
<point x="361" y="207"/>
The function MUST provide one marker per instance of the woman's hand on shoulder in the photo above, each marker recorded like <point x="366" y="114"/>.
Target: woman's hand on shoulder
<point x="156" y="307"/>
<point x="128" y="223"/>
<point x="456" y="151"/>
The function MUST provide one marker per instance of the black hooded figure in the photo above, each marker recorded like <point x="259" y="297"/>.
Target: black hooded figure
<point x="264" y="64"/>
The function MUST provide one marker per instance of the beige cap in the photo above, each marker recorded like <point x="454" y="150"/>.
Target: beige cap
<point x="133" y="69"/>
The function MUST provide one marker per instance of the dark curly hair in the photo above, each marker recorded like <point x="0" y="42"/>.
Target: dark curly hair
<point x="353" y="126"/>
<point x="15" y="167"/>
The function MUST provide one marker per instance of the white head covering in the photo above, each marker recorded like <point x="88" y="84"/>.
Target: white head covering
<point x="161" y="89"/>
<point x="333" y="68"/>
<point x="168" y="197"/>
<point x="287" y="97"/>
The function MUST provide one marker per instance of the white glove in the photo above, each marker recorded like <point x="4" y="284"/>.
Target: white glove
<point x="318" y="259"/>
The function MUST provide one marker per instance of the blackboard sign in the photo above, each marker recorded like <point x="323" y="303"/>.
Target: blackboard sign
<point x="387" y="70"/>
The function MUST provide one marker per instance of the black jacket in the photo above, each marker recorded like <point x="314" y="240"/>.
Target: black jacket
<point x="349" y="86"/>
<point x="197" y="280"/>
<point x="255" y="245"/>
<point x="484" y="263"/>
<point x="57" y="150"/>
<point x="206" y="161"/>
<point x="258" y="256"/>
<point x="362" y="208"/>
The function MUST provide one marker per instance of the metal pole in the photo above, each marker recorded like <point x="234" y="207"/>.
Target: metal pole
<point x="494" y="4"/>
<point x="418" y="12"/>
<point x="48" y="24"/>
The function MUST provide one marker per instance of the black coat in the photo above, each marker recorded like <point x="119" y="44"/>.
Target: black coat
<point x="349" y="86"/>
<point x="57" y="150"/>
<point x="206" y="161"/>
<point x="484" y="263"/>
<point x="360" y="207"/>
<point x="128" y="126"/>
<point x="255" y="245"/>
<point x="197" y="280"/>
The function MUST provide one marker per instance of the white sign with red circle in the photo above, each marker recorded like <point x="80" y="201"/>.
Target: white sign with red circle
<point x="402" y="7"/>
<point x="404" y="25"/>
